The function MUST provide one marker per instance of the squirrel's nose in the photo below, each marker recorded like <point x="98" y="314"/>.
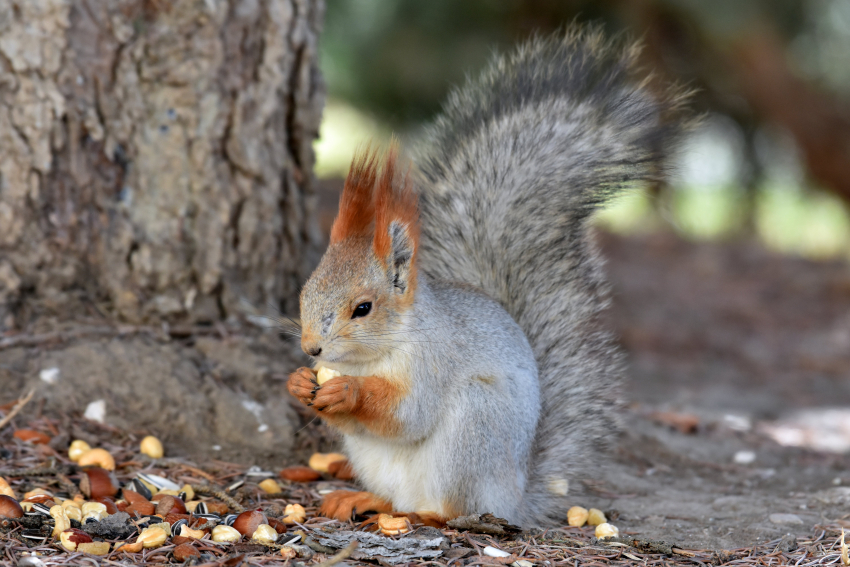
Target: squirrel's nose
<point x="311" y="343"/>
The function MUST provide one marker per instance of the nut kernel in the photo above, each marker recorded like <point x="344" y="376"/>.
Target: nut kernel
<point x="153" y="536"/>
<point x="129" y="547"/>
<point x="94" y="510"/>
<point x="265" y="534"/>
<point x="270" y="486"/>
<point x="324" y="374"/>
<point x="61" y="520"/>
<point x="94" y="547"/>
<point x="577" y="516"/>
<point x="152" y="447"/>
<point x="595" y="517"/>
<point x="186" y="531"/>
<point x="70" y="538"/>
<point x="321" y="461"/>
<point x="77" y="449"/>
<point x="99" y="457"/>
<point x="393" y="526"/>
<point x="74" y="513"/>
<point x="294" y="514"/>
<point x="190" y="492"/>
<point x="6" y="489"/>
<point x="225" y="534"/>
<point x="606" y="530"/>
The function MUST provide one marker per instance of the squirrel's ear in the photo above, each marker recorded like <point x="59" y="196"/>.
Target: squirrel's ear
<point x="397" y="225"/>
<point x="400" y="261"/>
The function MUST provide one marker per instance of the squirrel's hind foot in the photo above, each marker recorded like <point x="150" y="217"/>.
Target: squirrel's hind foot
<point x="342" y="504"/>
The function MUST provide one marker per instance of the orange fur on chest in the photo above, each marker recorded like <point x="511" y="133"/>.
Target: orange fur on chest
<point x="376" y="402"/>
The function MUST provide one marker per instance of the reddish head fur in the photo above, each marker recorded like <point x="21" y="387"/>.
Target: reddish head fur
<point x="395" y="204"/>
<point x="357" y="204"/>
<point x="364" y="202"/>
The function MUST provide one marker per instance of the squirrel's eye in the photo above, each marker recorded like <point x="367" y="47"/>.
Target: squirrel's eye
<point x="362" y="310"/>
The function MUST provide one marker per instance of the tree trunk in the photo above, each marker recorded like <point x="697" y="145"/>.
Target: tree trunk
<point x="156" y="156"/>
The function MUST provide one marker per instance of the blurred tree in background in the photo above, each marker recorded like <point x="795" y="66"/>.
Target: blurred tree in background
<point x="773" y="77"/>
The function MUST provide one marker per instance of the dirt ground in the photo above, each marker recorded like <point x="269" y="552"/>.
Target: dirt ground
<point x="724" y="341"/>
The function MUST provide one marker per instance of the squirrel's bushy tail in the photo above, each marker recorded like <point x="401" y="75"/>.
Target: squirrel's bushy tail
<point x="509" y="176"/>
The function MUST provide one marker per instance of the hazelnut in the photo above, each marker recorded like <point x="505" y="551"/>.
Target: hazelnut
<point x="98" y="457"/>
<point x="94" y="547"/>
<point x="606" y="530"/>
<point x="300" y="474"/>
<point x="30" y="436"/>
<point x="184" y="551"/>
<point x="170" y="505"/>
<point x="393" y="526"/>
<point x="61" y="521"/>
<point x="270" y="486"/>
<point x="94" y="510"/>
<point x="294" y="514"/>
<point x="246" y="523"/>
<point x="324" y="374"/>
<point x="9" y="507"/>
<point x="133" y="497"/>
<point x="225" y="534"/>
<point x="153" y="536"/>
<point x="77" y="448"/>
<point x="217" y="507"/>
<point x="595" y="517"/>
<point x="6" y="489"/>
<point x="71" y="537"/>
<point x="264" y="534"/>
<point x="321" y="461"/>
<point x="97" y="482"/>
<point x="186" y="531"/>
<point x="152" y="447"/>
<point x="577" y="516"/>
<point x="278" y="525"/>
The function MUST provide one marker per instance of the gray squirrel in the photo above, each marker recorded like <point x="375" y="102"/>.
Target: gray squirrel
<point x="459" y="301"/>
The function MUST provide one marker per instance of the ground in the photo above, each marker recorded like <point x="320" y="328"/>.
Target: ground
<point x="726" y="342"/>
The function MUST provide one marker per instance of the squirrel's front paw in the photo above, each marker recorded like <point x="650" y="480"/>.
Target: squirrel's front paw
<point x="338" y="395"/>
<point x="302" y="385"/>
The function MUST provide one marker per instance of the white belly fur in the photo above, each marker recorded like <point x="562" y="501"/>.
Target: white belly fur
<point x="396" y="472"/>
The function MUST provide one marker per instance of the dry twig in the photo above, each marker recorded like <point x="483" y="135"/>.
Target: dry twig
<point x="18" y="407"/>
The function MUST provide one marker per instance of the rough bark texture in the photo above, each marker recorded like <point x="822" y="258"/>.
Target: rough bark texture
<point x="155" y="155"/>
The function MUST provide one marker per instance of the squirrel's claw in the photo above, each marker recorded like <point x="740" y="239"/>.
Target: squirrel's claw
<point x="302" y="385"/>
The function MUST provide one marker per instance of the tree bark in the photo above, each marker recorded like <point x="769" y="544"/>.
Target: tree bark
<point x="156" y="156"/>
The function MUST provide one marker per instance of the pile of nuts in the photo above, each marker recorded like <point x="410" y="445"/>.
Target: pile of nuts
<point x="578" y="516"/>
<point x="160" y="509"/>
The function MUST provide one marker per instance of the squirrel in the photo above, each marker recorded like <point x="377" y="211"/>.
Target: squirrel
<point x="460" y="300"/>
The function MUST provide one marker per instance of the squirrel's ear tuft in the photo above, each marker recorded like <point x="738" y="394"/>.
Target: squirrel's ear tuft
<point x="397" y="223"/>
<point x="357" y="205"/>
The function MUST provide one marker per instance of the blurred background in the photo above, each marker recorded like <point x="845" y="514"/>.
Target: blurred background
<point x="771" y="160"/>
<point x="731" y="282"/>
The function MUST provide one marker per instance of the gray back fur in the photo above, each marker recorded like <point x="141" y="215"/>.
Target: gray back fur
<point x="509" y="176"/>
